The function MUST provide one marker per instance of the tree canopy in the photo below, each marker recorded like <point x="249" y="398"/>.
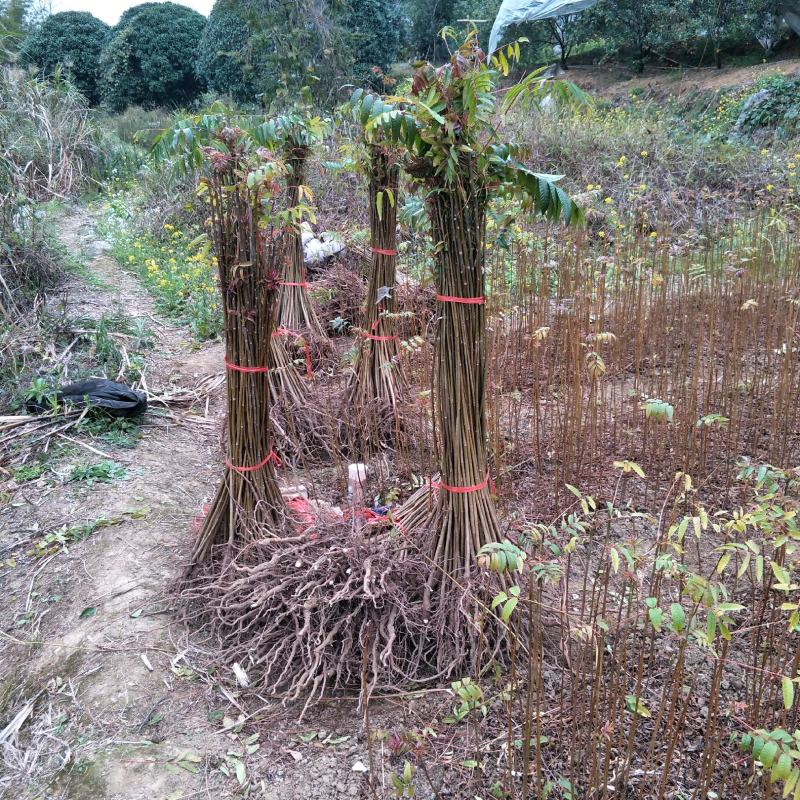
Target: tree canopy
<point x="225" y="60"/>
<point x="377" y="31"/>
<point x="73" y="39"/>
<point x="150" y="57"/>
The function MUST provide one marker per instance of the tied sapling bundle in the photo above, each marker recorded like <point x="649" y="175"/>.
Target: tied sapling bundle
<point x="298" y="319"/>
<point x="374" y="387"/>
<point x="299" y="431"/>
<point x="241" y="184"/>
<point x="447" y="126"/>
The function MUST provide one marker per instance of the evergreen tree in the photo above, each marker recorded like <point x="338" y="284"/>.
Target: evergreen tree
<point x="377" y="32"/>
<point x="225" y="60"/>
<point x="73" y="39"/>
<point x="150" y="57"/>
<point x="14" y="24"/>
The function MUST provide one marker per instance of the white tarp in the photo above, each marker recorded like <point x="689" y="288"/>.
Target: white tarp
<point x="513" y="12"/>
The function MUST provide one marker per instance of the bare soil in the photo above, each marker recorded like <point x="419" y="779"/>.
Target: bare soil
<point x="105" y="694"/>
<point x="614" y="81"/>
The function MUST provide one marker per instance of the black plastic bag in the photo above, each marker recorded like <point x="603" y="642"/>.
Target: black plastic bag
<point x="115" y="399"/>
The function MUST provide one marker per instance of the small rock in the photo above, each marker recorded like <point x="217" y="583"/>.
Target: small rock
<point x="97" y="248"/>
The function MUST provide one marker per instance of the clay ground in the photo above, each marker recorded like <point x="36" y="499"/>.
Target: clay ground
<point x="612" y="82"/>
<point x="105" y="694"/>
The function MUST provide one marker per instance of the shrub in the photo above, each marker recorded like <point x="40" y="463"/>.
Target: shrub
<point x="377" y="31"/>
<point x="73" y="39"/>
<point x="224" y="59"/>
<point x="776" y="104"/>
<point x="149" y="59"/>
<point x="48" y="142"/>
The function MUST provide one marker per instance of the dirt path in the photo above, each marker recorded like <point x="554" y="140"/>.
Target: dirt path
<point x="107" y="696"/>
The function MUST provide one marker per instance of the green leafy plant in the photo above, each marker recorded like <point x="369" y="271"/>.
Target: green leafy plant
<point x="777" y="754"/>
<point x="42" y="393"/>
<point x="658" y="410"/>
<point x="29" y="472"/>
<point x="117" y="431"/>
<point x="105" y="471"/>
<point x="403" y="784"/>
<point x="470" y="697"/>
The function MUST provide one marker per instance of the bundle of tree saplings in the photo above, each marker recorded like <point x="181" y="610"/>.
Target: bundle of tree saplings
<point x="374" y="386"/>
<point x="448" y="128"/>
<point x="298" y="319"/>
<point x="301" y="606"/>
<point x="240" y="185"/>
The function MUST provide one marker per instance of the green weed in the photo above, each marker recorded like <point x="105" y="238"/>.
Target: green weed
<point x="29" y="472"/>
<point x="105" y="471"/>
<point x="113" y="430"/>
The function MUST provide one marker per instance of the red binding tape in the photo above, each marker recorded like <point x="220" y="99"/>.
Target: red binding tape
<point x="464" y="489"/>
<point x="237" y="368"/>
<point x="469" y="301"/>
<point x="295" y="283"/>
<point x="383" y="251"/>
<point x="273" y="456"/>
<point x="378" y="338"/>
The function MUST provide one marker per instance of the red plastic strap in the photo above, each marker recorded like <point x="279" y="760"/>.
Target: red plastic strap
<point x="383" y="251"/>
<point x="469" y="301"/>
<point x="465" y="489"/>
<point x="296" y="283"/>
<point x="237" y="368"/>
<point x="378" y="338"/>
<point x="273" y="456"/>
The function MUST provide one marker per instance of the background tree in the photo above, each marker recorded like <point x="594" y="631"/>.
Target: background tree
<point x="227" y="60"/>
<point x="377" y="32"/>
<point x="150" y="57"/>
<point x="640" y="27"/>
<point x="222" y="54"/>
<point x="720" y="20"/>
<point x="300" y="43"/>
<point x="74" y="39"/>
<point x="428" y="17"/>
<point x="768" y="21"/>
<point x="564" y="33"/>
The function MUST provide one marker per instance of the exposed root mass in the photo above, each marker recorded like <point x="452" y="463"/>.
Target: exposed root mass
<point x="313" y="614"/>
